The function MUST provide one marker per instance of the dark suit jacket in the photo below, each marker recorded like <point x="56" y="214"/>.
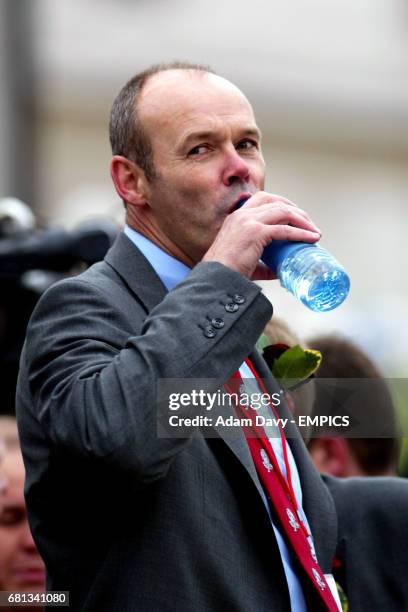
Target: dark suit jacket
<point x="372" y="542"/>
<point x="123" y="519"/>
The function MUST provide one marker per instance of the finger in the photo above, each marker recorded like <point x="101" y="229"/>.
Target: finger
<point x="263" y="197"/>
<point x="284" y="215"/>
<point x="288" y="232"/>
<point x="269" y="206"/>
<point x="279" y="198"/>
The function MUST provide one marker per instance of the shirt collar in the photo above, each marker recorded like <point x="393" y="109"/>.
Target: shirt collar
<point x="170" y="270"/>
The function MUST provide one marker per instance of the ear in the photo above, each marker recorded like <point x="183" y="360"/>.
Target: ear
<point x="129" y="180"/>
<point x="330" y="455"/>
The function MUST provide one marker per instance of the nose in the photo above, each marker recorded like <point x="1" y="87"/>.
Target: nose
<point x="236" y="170"/>
<point x="26" y="539"/>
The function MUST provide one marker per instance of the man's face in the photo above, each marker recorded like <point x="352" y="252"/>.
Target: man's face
<point x="206" y="151"/>
<point x="21" y="567"/>
<point x="2" y="478"/>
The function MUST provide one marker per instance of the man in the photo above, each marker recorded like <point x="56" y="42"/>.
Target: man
<point x="352" y="456"/>
<point x="21" y="567"/>
<point x="372" y="529"/>
<point x="124" y="519"/>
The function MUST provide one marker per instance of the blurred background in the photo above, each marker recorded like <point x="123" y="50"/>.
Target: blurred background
<point x="328" y="82"/>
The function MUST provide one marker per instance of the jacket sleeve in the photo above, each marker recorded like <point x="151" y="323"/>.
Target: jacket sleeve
<point x="91" y="373"/>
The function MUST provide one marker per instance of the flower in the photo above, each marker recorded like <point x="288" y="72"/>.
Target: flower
<point x="293" y="365"/>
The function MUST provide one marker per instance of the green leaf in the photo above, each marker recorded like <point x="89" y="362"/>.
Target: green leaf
<point x="296" y="363"/>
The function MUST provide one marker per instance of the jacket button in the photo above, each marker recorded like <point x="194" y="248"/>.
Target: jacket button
<point x="238" y="299"/>
<point x="231" y="307"/>
<point x="217" y="322"/>
<point x="209" y="332"/>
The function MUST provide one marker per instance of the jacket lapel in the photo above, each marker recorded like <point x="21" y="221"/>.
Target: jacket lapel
<point x="137" y="273"/>
<point x="235" y="439"/>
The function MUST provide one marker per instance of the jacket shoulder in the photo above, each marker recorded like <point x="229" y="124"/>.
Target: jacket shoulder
<point x="371" y="498"/>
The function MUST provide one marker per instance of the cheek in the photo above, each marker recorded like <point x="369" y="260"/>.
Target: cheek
<point x="7" y="548"/>
<point x="190" y="203"/>
<point x="259" y="173"/>
<point x="173" y="195"/>
<point x="196" y="178"/>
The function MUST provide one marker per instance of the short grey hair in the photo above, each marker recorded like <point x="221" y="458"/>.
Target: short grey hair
<point x="127" y="134"/>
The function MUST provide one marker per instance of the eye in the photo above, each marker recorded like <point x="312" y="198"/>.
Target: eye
<point x="247" y="143"/>
<point x="199" y="149"/>
<point x="11" y="517"/>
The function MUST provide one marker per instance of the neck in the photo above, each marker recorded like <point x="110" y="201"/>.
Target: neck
<point x="150" y="230"/>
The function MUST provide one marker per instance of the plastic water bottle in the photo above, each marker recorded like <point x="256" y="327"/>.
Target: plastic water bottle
<point x="308" y="271"/>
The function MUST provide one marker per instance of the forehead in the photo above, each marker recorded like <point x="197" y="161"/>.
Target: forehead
<point x="12" y="468"/>
<point x="174" y="101"/>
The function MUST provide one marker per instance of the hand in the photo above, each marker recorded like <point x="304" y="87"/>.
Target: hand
<point x="246" y="232"/>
